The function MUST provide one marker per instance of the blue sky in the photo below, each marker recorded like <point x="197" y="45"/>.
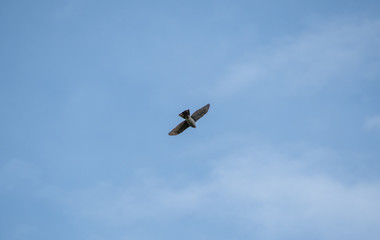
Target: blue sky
<point x="290" y="148"/>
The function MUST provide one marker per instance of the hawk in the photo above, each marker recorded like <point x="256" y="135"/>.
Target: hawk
<point x="189" y="120"/>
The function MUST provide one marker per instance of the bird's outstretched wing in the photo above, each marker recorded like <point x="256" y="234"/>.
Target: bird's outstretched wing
<point x="180" y="128"/>
<point x="200" y="112"/>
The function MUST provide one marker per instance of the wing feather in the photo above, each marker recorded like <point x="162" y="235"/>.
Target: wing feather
<point x="179" y="128"/>
<point x="200" y="112"/>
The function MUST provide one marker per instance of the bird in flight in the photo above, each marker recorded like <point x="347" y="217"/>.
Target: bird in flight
<point x="189" y="120"/>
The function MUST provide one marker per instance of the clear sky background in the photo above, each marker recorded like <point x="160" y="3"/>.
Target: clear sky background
<point x="290" y="148"/>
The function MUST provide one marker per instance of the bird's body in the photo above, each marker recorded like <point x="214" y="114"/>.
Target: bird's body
<point x="189" y="119"/>
<point x="191" y="122"/>
<point x="186" y="115"/>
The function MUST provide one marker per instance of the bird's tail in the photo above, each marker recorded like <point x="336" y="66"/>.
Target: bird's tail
<point x="185" y="114"/>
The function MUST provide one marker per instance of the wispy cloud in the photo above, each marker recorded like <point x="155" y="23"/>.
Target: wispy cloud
<point x="334" y="52"/>
<point x="271" y="192"/>
<point x="373" y="123"/>
<point x="268" y="188"/>
<point x="286" y="194"/>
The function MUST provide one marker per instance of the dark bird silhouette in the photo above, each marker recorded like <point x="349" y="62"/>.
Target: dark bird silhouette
<point x="189" y="120"/>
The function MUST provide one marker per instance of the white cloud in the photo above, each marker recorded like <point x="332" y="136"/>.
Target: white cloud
<point x="286" y="195"/>
<point x="373" y="123"/>
<point x="267" y="193"/>
<point x="334" y="52"/>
